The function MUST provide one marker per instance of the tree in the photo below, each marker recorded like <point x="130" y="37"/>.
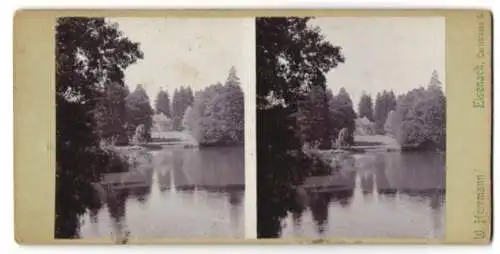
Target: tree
<point x="140" y="135"/>
<point x="292" y="56"/>
<point x="384" y="103"/>
<point x="189" y="97"/>
<point x="315" y="119"/>
<point x="217" y="115"/>
<point x="232" y="78"/>
<point x="389" y="122"/>
<point x="181" y="100"/>
<point x="204" y="127"/>
<point x="420" y="117"/>
<point x="175" y="109"/>
<point x="139" y="112"/>
<point x="365" y="107"/>
<point x="434" y="81"/>
<point x="111" y="116"/>
<point x="391" y="101"/>
<point x="162" y="103"/>
<point x="343" y="115"/>
<point x="187" y="119"/>
<point x="234" y="116"/>
<point x="91" y="54"/>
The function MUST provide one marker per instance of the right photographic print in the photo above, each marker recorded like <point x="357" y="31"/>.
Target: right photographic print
<point x="351" y="127"/>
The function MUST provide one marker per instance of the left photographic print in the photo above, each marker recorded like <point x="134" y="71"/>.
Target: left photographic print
<point x="150" y="127"/>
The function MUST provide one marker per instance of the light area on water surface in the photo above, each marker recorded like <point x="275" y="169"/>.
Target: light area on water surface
<point x="373" y="216"/>
<point x="174" y="213"/>
<point x="376" y="215"/>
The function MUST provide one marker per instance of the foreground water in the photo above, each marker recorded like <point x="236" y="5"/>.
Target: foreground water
<point x="397" y="195"/>
<point x="188" y="193"/>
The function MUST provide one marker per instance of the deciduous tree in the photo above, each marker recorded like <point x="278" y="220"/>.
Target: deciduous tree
<point x="217" y="115"/>
<point x="292" y="56"/>
<point x="420" y="117"/>
<point x="91" y="54"/>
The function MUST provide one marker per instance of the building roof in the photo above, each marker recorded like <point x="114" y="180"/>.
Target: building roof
<point x="160" y="117"/>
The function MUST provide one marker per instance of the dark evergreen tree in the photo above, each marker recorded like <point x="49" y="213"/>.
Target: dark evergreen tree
<point x="182" y="99"/>
<point x="139" y="112"/>
<point x="217" y="114"/>
<point x="385" y="102"/>
<point x="365" y="107"/>
<point x="111" y="115"/>
<point x="343" y="114"/>
<point x="315" y="119"/>
<point x="162" y="103"/>
<point x="420" y="117"/>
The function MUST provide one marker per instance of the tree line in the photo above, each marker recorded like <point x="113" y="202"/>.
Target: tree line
<point x="217" y="114"/>
<point x="214" y="116"/>
<point x="417" y="119"/>
<point x="321" y="116"/>
<point x="121" y="113"/>
<point x="377" y="113"/>
<point x="182" y="99"/>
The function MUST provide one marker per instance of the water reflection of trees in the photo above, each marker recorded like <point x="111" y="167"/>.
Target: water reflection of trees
<point x="187" y="171"/>
<point x="391" y="176"/>
<point x="94" y="208"/>
<point x="207" y="168"/>
<point x="367" y="184"/>
<point x="384" y="186"/>
<point x="235" y="199"/>
<point x="141" y="194"/>
<point x="410" y="174"/>
<point x="218" y="171"/>
<point x="71" y="209"/>
<point x="319" y="208"/>
<point x="116" y="206"/>
<point x="416" y="176"/>
<point x="318" y="203"/>
<point x="114" y="198"/>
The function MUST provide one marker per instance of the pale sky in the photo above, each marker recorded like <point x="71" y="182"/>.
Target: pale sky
<point x="195" y="52"/>
<point x="397" y="53"/>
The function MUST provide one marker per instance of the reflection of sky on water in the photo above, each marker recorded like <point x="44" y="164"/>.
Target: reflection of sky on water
<point x="191" y="194"/>
<point x="394" y="196"/>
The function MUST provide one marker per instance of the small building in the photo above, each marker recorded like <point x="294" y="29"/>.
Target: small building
<point x="162" y="124"/>
<point x="364" y="127"/>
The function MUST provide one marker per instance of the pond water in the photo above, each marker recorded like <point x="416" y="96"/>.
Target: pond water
<point x="396" y="195"/>
<point x="183" y="193"/>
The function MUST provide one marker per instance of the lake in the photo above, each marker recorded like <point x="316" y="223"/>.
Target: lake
<point x="182" y="193"/>
<point x="394" y="194"/>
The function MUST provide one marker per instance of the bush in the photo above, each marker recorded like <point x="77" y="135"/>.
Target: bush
<point x="420" y="119"/>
